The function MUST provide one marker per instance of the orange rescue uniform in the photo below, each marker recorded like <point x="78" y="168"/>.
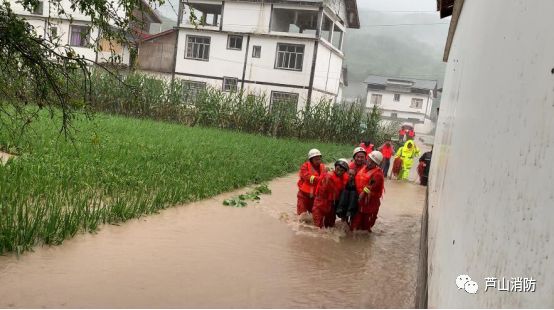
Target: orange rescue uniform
<point x="309" y="178"/>
<point x="372" y="184"/>
<point x="327" y="192"/>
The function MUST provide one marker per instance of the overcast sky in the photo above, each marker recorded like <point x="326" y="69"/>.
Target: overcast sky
<point x="378" y="5"/>
<point x="398" y="5"/>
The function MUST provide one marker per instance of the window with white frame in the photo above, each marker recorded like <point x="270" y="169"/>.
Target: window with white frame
<point x="283" y="103"/>
<point x="230" y="84"/>
<point x="326" y="28"/>
<point x="234" y="42"/>
<point x="337" y="38"/>
<point x="394" y="115"/>
<point x="79" y="35"/>
<point x="396" y="97"/>
<point x="191" y="89"/>
<point x="417" y="103"/>
<point x="198" y="48"/>
<point x="256" y="51"/>
<point x="289" y="56"/>
<point x="376" y="99"/>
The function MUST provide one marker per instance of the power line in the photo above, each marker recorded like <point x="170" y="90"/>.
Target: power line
<point x="173" y="8"/>
<point x="394" y="25"/>
<point x="377" y="11"/>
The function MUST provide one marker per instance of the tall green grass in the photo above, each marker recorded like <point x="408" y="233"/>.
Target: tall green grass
<point x="147" y="97"/>
<point x="118" y="168"/>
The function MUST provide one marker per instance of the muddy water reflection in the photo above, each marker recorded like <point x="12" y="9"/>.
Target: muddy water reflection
<point x="207" y="255"/>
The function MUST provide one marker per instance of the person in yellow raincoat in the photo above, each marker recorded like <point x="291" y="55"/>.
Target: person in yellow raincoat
<point x="407" y="153"/>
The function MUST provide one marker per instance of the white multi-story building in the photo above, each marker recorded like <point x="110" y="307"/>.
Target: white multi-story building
<point x="406" y="100"/>
<point x="75" y="29"/>
<point x="286" y="50"/>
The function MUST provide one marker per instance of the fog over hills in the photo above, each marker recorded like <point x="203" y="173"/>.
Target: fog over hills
<point x="389" y="44"/>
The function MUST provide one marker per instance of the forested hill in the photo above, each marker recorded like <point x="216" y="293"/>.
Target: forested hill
<point x="395" y="48"/>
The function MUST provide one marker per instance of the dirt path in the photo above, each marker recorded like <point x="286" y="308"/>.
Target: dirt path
<point x="4" y="157"/>
<point x="207" y="255"/>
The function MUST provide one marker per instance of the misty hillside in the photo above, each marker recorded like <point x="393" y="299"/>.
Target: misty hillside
<point x="403" y="51"/>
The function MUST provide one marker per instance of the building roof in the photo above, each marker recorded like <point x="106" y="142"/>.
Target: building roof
<point x="413" y="83"/>
<point x="149" y="37"/>
<point x="352" y="15"/>
<point x="450" y="8"/>
<point x="445" y="7"/>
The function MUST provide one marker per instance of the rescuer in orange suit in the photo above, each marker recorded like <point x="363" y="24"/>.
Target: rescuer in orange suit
<point x="358" y="160"/>
<point x="327" y="193"/>
<point x="310" y="174"/>
<point x="370" y="184"/>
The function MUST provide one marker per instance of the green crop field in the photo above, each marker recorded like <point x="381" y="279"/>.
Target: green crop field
<point x="118" y="168"/>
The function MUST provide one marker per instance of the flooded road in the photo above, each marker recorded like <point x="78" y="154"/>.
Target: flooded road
<point x="208" y="255"/>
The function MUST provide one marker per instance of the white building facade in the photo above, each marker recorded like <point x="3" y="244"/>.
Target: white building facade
<point x="408" y="101"/>
<point x="492" y="173"/>
<point x="75" y="30"/>
<point x="284" y="50"/>
<point x="47" y="23"/>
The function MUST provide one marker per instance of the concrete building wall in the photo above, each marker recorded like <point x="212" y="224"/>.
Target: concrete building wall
<point x="157" y="54"/>
<point x="328" y="69"/>
<point x="62" y="23"/>
<point x="246" y="17"/>
<point x="491" y="192"/>
<point x="403" y="105"/>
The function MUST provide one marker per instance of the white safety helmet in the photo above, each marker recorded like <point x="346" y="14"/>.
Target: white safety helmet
<point x="376" y="157"/>
<point x="313" y="153"/>
<point x="358" y="150"/>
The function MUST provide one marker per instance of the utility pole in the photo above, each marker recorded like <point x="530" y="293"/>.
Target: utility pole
<point x="177" y="28"/>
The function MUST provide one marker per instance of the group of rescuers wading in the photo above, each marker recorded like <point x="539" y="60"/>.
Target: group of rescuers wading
<point x="353" y="190"/>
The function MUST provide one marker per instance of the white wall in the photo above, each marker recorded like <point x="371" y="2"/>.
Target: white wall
<point x="246" y="17"/>
<point x="388" y="103"/>
<point x="230" y="63"/>
<point x="263" y="68"/>
<point x="328" y="69"/>
<point x="491" y="183"/>
<point x="222" y="62"/>
<point x="253" y="18"/>
<point x="63" y="25"/>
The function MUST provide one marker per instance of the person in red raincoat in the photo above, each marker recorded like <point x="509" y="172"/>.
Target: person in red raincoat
<point x="401" y="135"/>
<point x="411" y="134"/>
<point x="327" y="193"/>
<point x="370" y="184"/>
<point x="368" y="146"/>
<point x="387" y="149"/>
<point x="310" y="174"/>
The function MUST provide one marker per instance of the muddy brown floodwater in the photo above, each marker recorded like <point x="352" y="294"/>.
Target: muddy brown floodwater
<point x="208" y="255"/>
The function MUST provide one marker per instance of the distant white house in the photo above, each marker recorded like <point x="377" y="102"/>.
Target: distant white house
<point x="290" y="51"/>
<point x="76" y="30"/>
<point x="406" y="100"/>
